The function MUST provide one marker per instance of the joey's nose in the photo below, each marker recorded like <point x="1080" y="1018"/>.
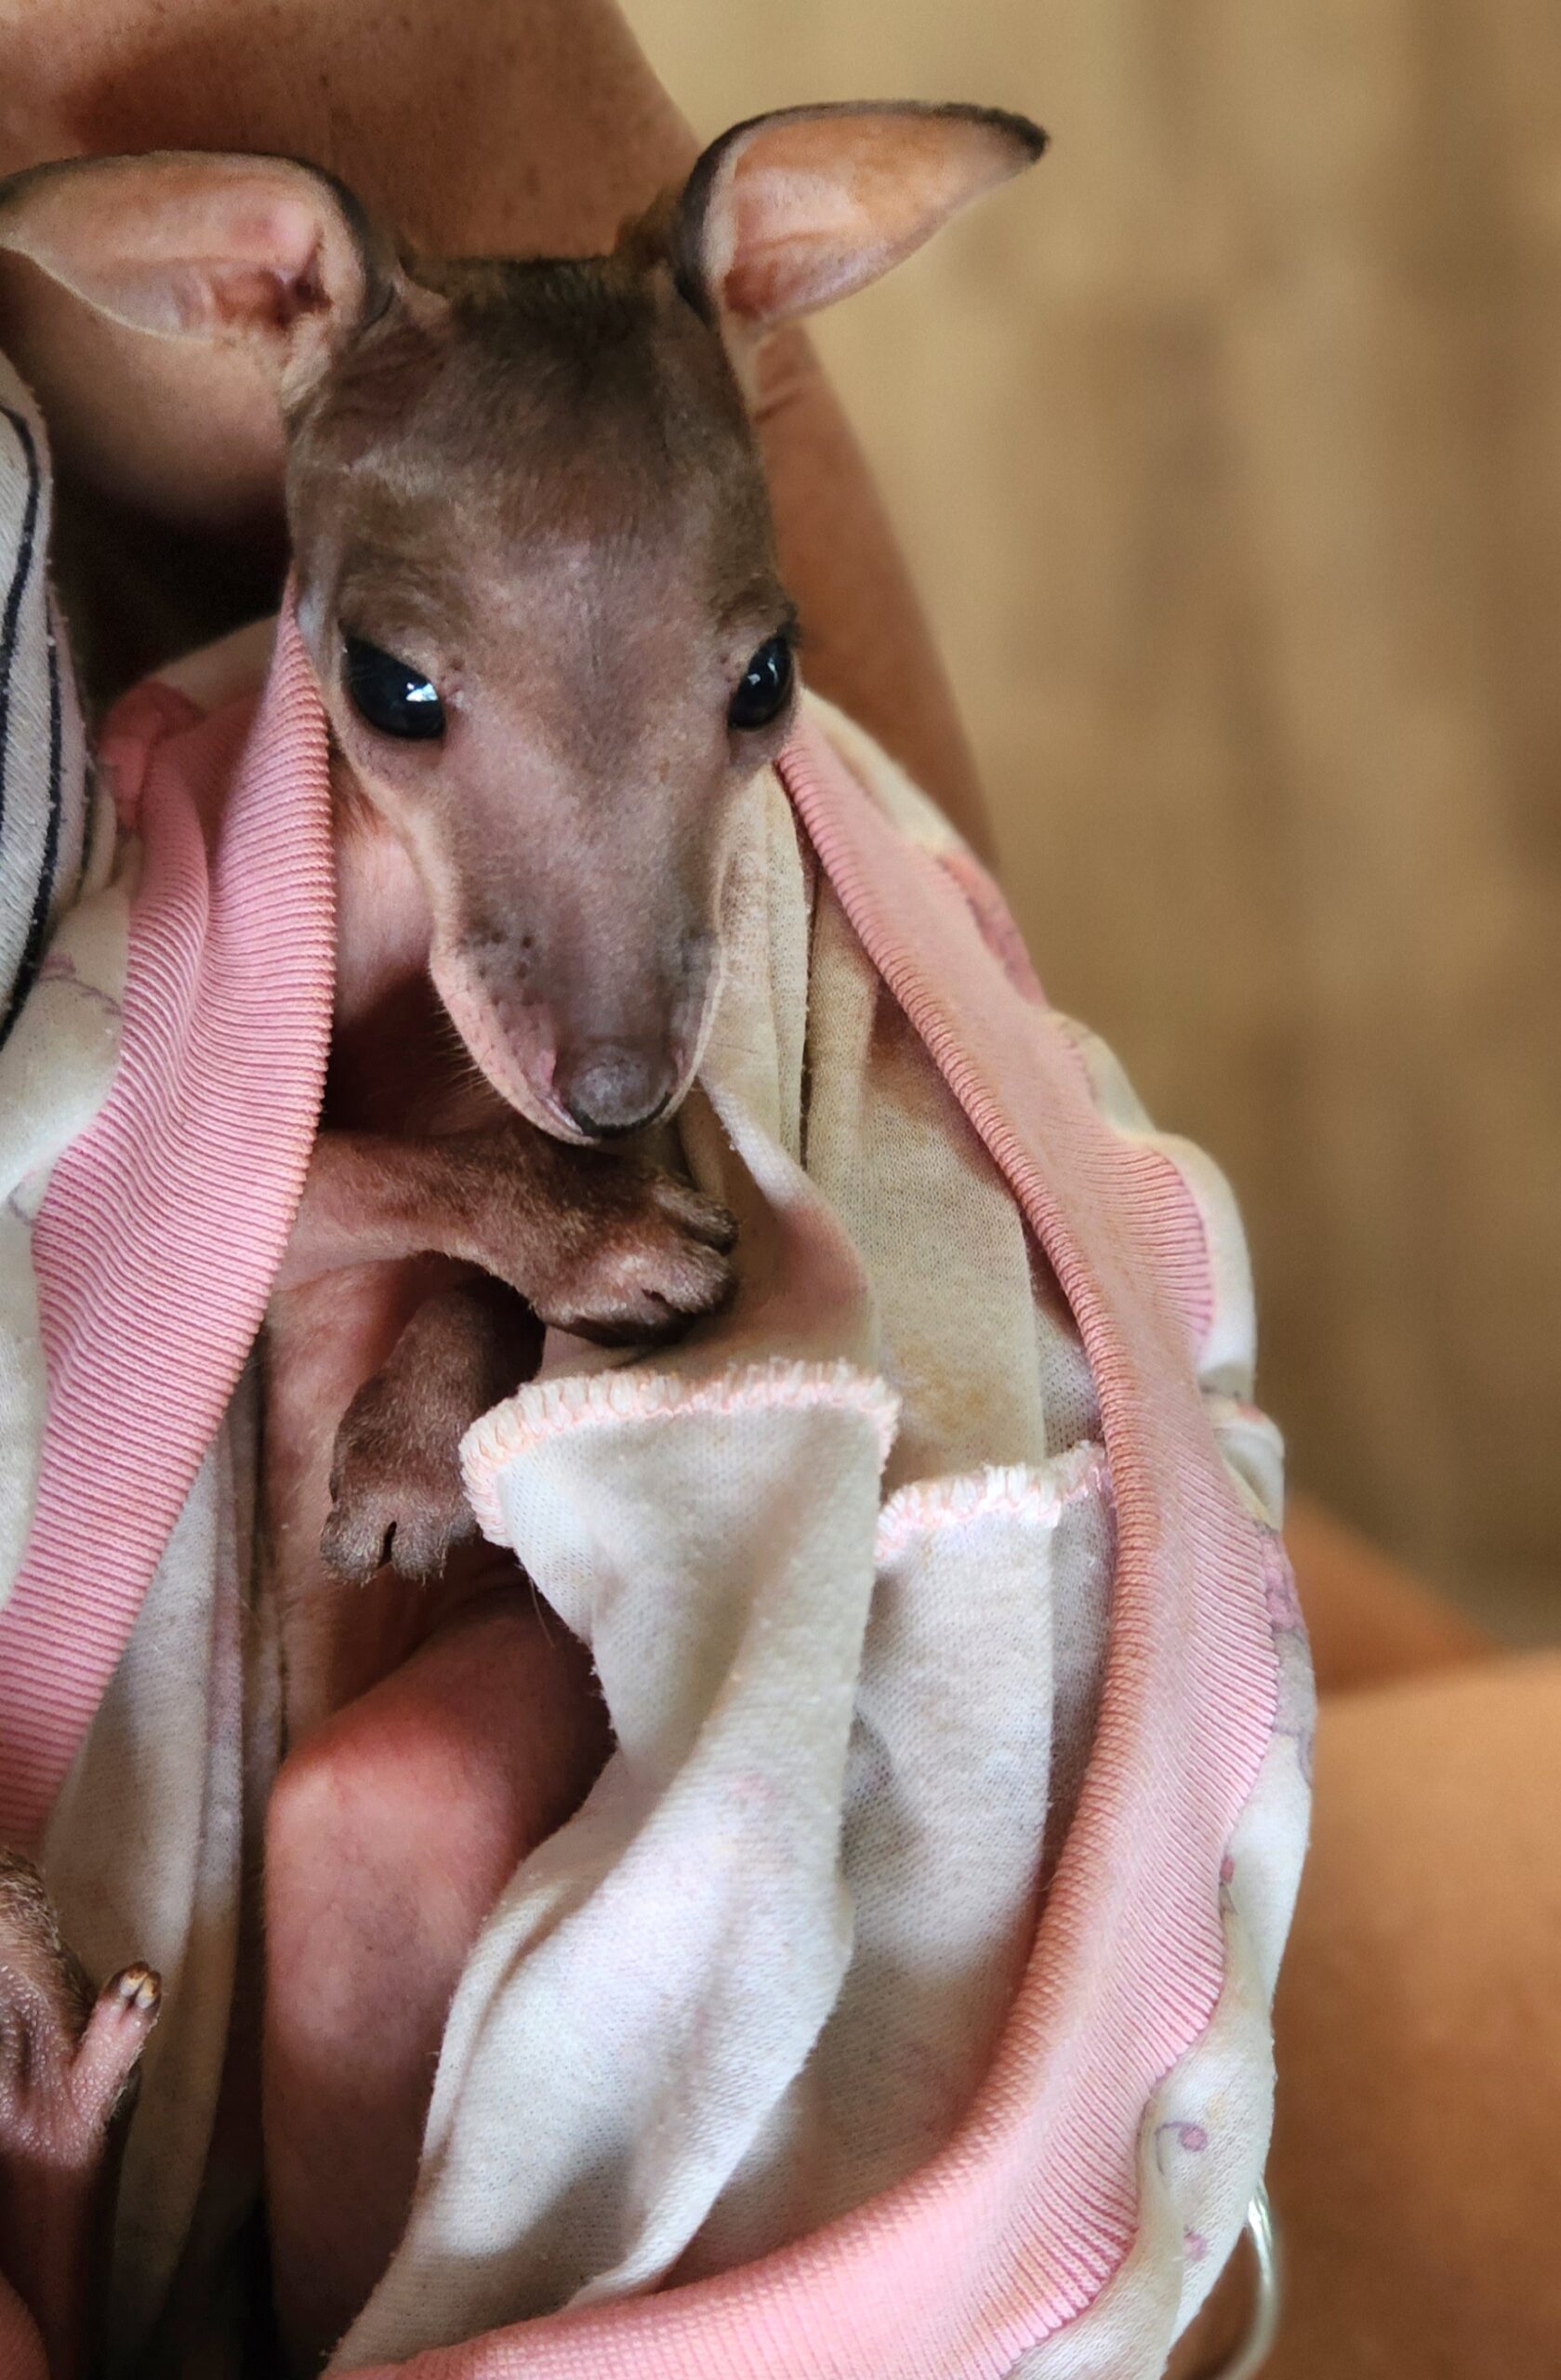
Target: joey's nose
<point x="610" y="1087"/>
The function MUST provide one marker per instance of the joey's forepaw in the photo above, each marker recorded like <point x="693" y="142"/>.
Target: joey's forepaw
<point x="647" y="1259"/>
<point x="396" y="1491"/>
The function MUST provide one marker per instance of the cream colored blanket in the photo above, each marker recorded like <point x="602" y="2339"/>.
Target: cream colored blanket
<point x="896" y="2007"/>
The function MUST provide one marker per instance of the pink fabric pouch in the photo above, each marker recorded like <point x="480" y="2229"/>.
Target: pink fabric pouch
<point x="1059" y="2228"/>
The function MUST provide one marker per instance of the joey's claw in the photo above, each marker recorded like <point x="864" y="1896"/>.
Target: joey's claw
<point x="355" y="1543"/>
<point x="396" y="1489"/>
<point x="136" y="1987"/>
<point x="392" y="1526"/>
<point x="108" y="2053"/>
<point x="421" y="1539"/>
<point x="702" y="1218"/>
<point x="594" y="1241"/>
<point x="639" y="1291"/>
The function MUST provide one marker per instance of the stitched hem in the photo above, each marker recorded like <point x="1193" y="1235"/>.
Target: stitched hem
<point x="548" y="1408"/>
<point x="1016" y="1490"/>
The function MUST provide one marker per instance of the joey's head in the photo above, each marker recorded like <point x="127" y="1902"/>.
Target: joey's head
<point x="533" y="553"/>
<point x="535" y="574"/>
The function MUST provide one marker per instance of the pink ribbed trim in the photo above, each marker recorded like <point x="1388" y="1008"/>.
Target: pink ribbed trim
<point x="162" y="1225"/>
<point x="992" y="915"/>
<point x="546" y="1408"/>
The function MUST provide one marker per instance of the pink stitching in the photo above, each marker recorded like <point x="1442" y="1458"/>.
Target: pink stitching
<point x="1012" y="1490"/>
<point x="548" y="1408"/>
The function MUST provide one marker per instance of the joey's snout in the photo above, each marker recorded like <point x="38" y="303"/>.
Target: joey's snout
<point x="610" y="1088"/>
<point x="587" y="1048"/>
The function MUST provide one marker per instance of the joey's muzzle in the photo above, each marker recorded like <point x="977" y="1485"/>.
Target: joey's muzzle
<point x="589" y="1078"/>
<point x="610" y="1088"/>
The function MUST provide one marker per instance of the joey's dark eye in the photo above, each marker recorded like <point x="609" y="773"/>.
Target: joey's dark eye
<point x="763" y="686"/>
<point x="390" y="695"/>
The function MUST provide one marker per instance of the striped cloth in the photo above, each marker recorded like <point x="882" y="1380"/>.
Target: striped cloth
<point x="44" y="810"/>
<point x="64" y="932"/>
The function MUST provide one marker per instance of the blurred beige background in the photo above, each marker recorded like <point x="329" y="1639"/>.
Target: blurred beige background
<point x="1226" y="450"/>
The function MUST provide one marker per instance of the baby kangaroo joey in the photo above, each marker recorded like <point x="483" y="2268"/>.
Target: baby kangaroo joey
<point x="536" y="578"/>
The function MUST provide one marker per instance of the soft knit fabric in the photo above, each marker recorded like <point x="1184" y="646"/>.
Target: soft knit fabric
<point x="59" y="990"/>
<point x="161" y="1229"/>
<point x="1015" y="2182"/>
<point x="47" y="843"/>
<point x="1060" y="2196"/>
<point x="136" y="1695"/>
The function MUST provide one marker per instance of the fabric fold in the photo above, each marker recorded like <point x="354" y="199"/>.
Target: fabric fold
<point x="896" y="2007"/>
<point x="1062" y="1708"/>
<point x="163" y="1221"/>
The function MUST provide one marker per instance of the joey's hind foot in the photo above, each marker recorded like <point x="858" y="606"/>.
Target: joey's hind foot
<point x="68" y="2060"/>
<point x="67" y="2054"/>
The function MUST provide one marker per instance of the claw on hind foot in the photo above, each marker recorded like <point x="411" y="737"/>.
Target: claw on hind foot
<point x="138" y="1986"/>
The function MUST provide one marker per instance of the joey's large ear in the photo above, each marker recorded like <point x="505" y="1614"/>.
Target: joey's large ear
<point x="786" y="212"/>
<point x="256" y="250"/>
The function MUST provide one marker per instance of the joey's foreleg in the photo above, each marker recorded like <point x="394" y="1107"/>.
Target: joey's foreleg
<point x="595" y="1241"/>
<point x="395" y="1482"/>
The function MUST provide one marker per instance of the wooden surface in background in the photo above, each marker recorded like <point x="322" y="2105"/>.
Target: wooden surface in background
<point x="1226" y="449"/>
